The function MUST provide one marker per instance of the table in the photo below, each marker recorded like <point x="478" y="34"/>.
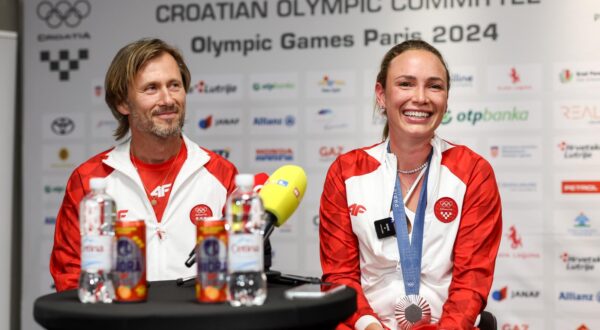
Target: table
<point x="175" y="308"/>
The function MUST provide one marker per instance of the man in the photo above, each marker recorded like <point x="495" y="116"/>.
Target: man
<point x="157" y="174"/>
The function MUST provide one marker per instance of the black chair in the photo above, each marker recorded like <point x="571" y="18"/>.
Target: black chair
<point x="487" y="321"/>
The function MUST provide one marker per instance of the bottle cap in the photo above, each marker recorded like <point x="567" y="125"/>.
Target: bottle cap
<point x="97" y="183"/>
<point x="244" y="180"/>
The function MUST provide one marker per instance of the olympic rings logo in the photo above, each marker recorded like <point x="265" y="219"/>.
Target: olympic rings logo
<point x="446" y="204"/>
<point x="63" y="12"/>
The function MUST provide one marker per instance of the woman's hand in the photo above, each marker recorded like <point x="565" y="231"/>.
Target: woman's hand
<point x="374" y="326"/>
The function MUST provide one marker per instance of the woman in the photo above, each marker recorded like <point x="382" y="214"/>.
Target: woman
<point x="413" y="223"/>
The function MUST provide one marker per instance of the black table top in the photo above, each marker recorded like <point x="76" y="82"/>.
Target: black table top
<point x="172" y="307"/>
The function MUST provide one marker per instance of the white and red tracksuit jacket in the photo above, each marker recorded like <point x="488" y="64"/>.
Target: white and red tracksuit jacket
<point x="463" y="227"/>
<point x="202" y="185"/>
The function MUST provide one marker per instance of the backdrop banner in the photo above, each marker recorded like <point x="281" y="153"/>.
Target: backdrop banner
<point x="292" y="81"/>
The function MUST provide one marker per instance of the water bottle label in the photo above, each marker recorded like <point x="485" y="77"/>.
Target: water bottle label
<point x="96" y="253"/>
<point x="245" y="253"/>
<point x="91" y="218"/>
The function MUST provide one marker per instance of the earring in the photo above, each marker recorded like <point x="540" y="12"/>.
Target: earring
<point x="381" y="109"/>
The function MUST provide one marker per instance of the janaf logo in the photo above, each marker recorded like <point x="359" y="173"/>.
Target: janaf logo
<point x="62" y="126"/>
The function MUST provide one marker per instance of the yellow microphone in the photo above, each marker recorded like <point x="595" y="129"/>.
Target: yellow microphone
<point x="281" y="195"/>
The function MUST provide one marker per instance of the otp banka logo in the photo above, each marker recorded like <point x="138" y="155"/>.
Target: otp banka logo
<point x="69" y="13"/>
<point x="485" y="115"/>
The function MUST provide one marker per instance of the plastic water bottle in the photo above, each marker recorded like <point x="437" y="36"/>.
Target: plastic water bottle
<point x="245" y="220"/>
<point x="96" y="224"/>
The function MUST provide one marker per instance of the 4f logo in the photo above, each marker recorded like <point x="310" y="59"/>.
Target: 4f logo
<point x="356" y="209"/>
<point x="161" y="191"/>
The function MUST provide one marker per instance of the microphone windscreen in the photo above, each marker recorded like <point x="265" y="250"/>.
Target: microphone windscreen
<point x="283" y="191"/>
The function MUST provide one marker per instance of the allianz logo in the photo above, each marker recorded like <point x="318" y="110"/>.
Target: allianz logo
<point x="570" y="295"/>
<point x="486" y="115"/>
<point x="461" y="78"/>
<point x="288" y="120"/>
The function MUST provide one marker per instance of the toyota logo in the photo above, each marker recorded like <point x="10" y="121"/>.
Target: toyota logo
<point x="63" y="12"/>
<point x="62" y="126"/>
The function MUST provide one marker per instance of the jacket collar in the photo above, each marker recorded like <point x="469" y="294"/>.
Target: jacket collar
<point x="119" y="159"/>
<point x="389" y="167"/>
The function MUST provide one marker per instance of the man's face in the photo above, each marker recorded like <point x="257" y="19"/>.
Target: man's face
<point x="156" y="99"/>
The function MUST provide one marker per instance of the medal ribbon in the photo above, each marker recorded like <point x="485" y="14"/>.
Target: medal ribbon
<point x="410" y="251"/>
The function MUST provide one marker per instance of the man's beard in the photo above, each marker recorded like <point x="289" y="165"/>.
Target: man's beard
<point x="174" y="127"/>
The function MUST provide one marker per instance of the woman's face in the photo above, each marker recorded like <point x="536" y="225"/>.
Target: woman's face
<point x="416" y="94"/>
